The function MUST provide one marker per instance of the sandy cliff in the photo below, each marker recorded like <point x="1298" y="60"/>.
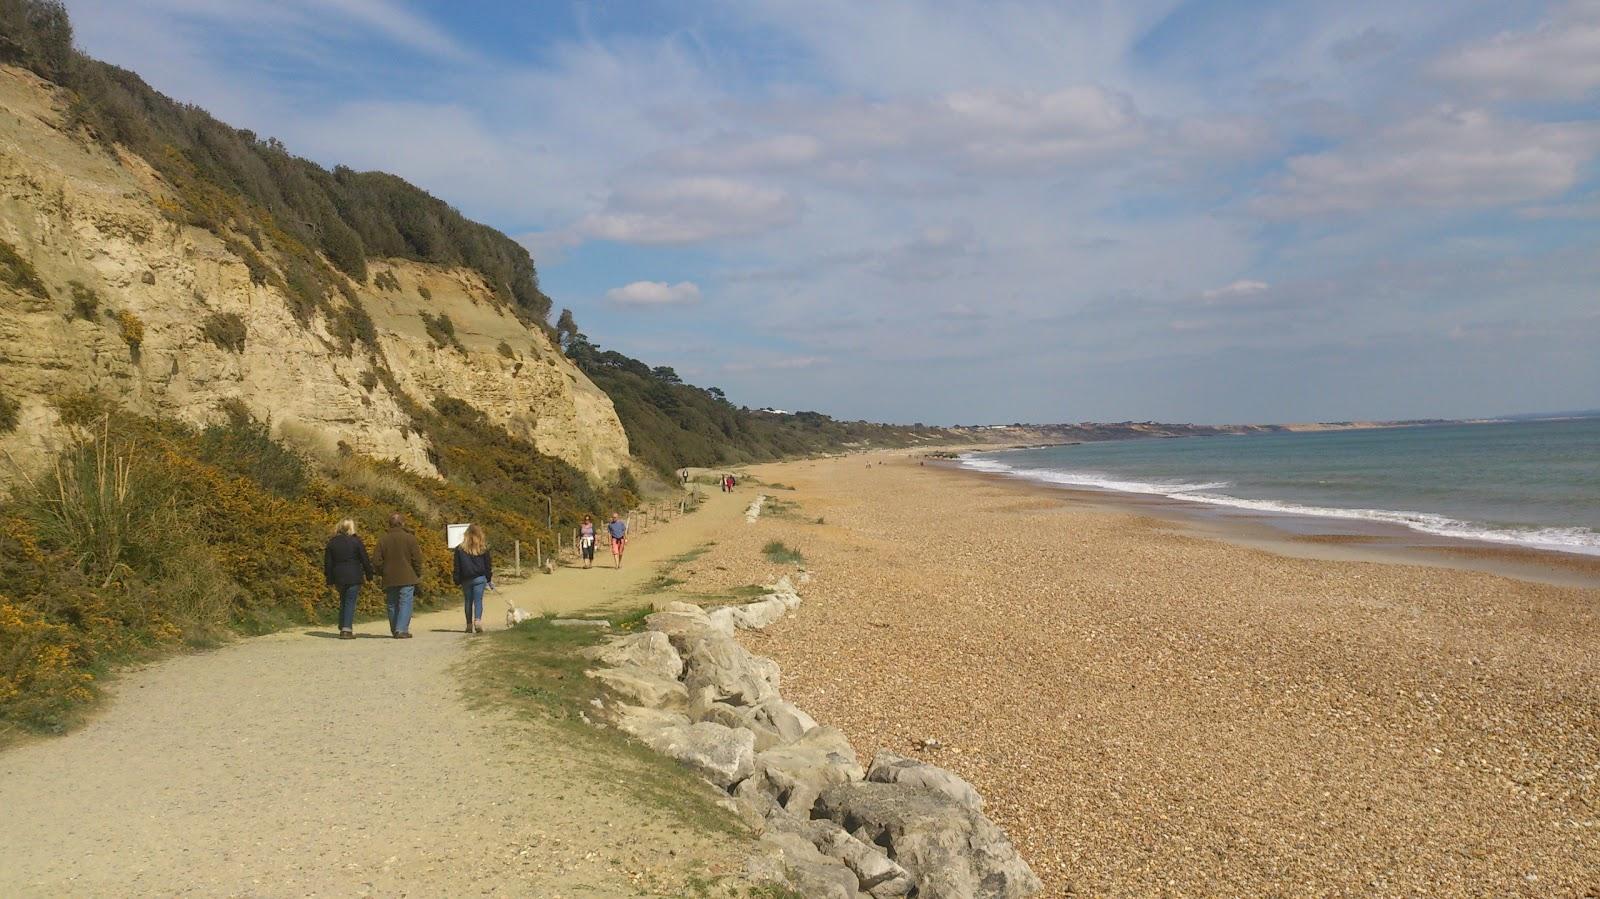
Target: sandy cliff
<point x="93" y="228"/>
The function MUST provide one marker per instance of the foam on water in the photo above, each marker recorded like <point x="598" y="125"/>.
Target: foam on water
<point x="1569" y="539"/>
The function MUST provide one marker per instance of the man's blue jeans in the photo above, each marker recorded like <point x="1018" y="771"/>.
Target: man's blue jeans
<point x="472" y="598"/>
<point x="348" y="594"/>
<point x="399" y="600"/>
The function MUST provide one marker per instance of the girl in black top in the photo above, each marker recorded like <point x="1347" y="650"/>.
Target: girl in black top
<point x="473" y="571"/>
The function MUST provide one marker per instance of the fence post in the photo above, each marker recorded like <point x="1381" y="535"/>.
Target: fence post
<point x="519" y="558"/>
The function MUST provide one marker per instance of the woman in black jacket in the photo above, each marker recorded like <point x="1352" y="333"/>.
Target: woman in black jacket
<point x="473" y="571"/>
<point x="345" y="565"/>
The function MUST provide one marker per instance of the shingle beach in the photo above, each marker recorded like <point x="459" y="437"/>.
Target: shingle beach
<point x="1149" y="712"/>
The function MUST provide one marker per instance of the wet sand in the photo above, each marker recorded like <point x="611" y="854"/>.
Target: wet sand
<point x="1151" y="711"/>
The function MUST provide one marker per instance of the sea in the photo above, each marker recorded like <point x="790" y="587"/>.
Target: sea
<point x="1532" y="484"/>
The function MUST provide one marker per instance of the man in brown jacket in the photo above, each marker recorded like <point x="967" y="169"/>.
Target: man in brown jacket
<point x="400" y="563"/>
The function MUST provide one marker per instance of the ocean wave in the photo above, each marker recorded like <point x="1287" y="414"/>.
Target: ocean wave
<point x="1564" y="539"/>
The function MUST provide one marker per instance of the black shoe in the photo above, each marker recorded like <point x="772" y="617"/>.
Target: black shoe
<point x="404" y="635"/>
<point x="346" y="635"/>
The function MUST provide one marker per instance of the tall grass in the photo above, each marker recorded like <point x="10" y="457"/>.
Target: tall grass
<point x="106" y="504"/>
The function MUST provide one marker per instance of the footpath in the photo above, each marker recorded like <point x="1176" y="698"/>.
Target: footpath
<point x="297" y="764"/>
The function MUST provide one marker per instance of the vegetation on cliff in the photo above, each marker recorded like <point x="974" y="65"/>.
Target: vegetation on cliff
<point x="148" y="535"/>
<point x="234" y="183"/>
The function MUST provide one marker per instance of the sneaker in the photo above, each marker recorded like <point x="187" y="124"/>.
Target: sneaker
<point x="404" y="635"/>
<point x="346" y="635"/>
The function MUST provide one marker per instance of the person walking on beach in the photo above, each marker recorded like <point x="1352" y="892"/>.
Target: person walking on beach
<point x="586" y="541"/>
<point x="400" y="561"/>
<point x="619" y="537"/>
<point x="473" y="571"/>
<point x="346" y="566"/>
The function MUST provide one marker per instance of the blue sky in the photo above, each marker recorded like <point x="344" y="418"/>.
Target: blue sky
<point x="981" y="212"/>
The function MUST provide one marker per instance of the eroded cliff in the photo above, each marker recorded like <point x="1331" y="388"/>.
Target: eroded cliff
<point x="128" y="301"/>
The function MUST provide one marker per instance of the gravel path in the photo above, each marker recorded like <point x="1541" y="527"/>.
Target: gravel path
<point x="1153" y="713"/>
<point x="299" y="765"/>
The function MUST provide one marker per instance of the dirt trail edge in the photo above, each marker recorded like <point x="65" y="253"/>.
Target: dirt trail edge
<point x="295" y="764"/>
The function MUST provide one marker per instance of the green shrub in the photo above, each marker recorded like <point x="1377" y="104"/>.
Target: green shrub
<point x="244" y="446"/>
<point x="505" y="350"/>
<point x="18" y="273"/>
<point x="85" y="302"/>
<point x="369" y="380"/>
<point x="385" y="280"/>
<point x="225" y="329"/>
<point x="776" y="551"/>
<point x="425" y="293"/>
<point x="107" y="504"/>
<point x="443" y="331"/>
<point x="8" y="414"/>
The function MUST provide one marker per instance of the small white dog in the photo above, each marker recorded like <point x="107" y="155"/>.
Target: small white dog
<point x="515" y="616"/>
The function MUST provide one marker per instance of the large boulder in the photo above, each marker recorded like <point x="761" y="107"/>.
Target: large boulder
<point x="795" y="774"/>
<point x="952" y="851"/>
<point x="876" y="872"/>
<point x="757" y="615"/>
<point x="890" y="768"/>
<point x="678" y="620"/>
<point x="785" y="719"/>
<point x="650" y="650"/>
<point x="791" y="859"/>
<point x="725" y="619"/>
<point x="642" y="686"/>
<point x="736" y="676"/>
<point x="645" y="723"/>
<point x="723" y="755"/>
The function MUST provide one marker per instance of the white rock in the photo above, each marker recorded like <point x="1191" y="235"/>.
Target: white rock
<point x="723" y="755"/>
<point x="650" y="650"/>
<point x="643" y="687"/>
<point x="889" y="767"/>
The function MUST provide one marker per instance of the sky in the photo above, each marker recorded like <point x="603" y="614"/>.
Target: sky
<point x="989" y="211"/>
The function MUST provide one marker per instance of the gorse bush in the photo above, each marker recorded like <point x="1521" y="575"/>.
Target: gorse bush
<point x="132" y="328"/>
<point x="149" y="534"/>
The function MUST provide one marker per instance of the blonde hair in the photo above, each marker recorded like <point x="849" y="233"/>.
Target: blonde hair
<point x="348" y="526"/>
<point x="474" y="541"/>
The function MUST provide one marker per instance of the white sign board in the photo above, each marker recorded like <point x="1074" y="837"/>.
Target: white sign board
<point x="454" y="533"/>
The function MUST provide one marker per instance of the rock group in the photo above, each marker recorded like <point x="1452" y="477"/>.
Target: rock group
<point x="753" y="511"/>
<point x="688" y="689"/>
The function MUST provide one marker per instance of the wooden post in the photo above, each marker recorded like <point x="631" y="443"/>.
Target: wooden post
<point x="538" y="548"/>
<point x="519" y="558"/>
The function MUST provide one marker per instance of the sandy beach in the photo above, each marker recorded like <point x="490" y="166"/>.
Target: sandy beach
<point x="1148" y="711"/>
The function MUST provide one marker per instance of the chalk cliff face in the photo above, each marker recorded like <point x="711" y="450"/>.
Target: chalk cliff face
<point x="91" y="225"/>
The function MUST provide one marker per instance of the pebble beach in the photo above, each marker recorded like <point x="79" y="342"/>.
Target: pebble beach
<point x="1150" y="712"/>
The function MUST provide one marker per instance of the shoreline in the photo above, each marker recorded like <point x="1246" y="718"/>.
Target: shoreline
<point x="1147" y="708"/>
<point x="1312" y="537"/>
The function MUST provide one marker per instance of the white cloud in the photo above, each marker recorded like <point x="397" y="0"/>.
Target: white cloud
<point x="1445" y="159"/>
<point x="690" y="210"/>
<point x="654" y="293"/>
<point x="1560" y="59"/>
<point x="775" y="363"/>
<point x="1235" y="291"/>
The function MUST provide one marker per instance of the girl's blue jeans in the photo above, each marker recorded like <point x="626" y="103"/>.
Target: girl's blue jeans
<point x="472" y="595"/>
